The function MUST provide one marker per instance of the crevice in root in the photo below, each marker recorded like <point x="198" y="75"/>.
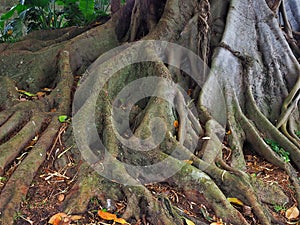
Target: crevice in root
<point x="5" y="115"/>
<point x="143" y="21"/>
<point x="289" y="106"/>
<point x="13" y="125"/>
<point x="142" y="204"/>
<point x="235" y="137"/>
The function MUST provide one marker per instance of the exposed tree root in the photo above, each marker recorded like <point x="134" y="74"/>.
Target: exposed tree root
<point x="42" y="127"/>
<point x="185" y="144"/>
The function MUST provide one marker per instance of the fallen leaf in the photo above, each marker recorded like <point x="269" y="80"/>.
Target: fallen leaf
<point x="106" y="215"/>
<point x="61" y="197"/>
<point x="292" y="213"/>
<point x="76" y="217"/>
<point x="57" y="218"/>
<point x="235" y="201"/>
<point x="188" y="222"/>
<point x="26" y="93"/>
<point x="47" y="89"/>
<point x="62" y="118"/>
<point x="120" y="220"/>
<point x="40" y="94"/>
<point x="63" y="219"/>
<point x="228" y="132"/>
<point x="176" y="124"/>
<point x="188" y="161"/>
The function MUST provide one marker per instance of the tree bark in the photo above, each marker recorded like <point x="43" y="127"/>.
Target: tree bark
<point x="115" y="6"/>
<point x="243" y="91"/>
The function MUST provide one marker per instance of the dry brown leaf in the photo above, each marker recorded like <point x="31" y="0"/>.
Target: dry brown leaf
<point x="57" y="218"/>
<point x="40" y="94"/>
<point x="106" y="215"/>
<point x="292" y="213"/>
<point x="76" y="217"/>
<point x="63" y="219"/>
<point x="66" y="221"/>
<point x="120" y="220"/>
<point x="61" y="197"/>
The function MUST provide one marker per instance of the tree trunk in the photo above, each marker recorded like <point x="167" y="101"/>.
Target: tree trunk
<point x="166" y="95"/>
<point x="115" y="6"/>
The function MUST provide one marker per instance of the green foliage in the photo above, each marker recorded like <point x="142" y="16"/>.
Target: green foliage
<point x="297" y="133"/>
<point x="63" y="118"/>
<point x="278" y="149"/>
<point x="49" y="14"/>
<point x="279" y="208"/>
<point x="3" y="179"/>
<point x="87" y="8"/>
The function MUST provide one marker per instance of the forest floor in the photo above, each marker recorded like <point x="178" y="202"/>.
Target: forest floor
<point x="53" y="182"/>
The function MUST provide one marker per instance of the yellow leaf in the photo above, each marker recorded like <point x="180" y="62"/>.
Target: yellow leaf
<point x="188" y="161"/>
<point x="188" y="222"/>
<point x="217" y="223"/>
<point x="235" y="201"/>
<point x="106" y="215"/>
<point x="9" y="32"/>
<point x="120" y="220"/>
<point x="57" y="218"/>
<point x="292" y="213"/>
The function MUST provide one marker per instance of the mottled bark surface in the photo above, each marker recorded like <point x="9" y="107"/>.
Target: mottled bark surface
<point x="250" y="95"/>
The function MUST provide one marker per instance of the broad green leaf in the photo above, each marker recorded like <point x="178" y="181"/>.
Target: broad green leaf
<point x="63" y="118"/>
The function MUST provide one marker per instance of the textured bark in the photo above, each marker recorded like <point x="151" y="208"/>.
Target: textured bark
<point x="252" y="89"/>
